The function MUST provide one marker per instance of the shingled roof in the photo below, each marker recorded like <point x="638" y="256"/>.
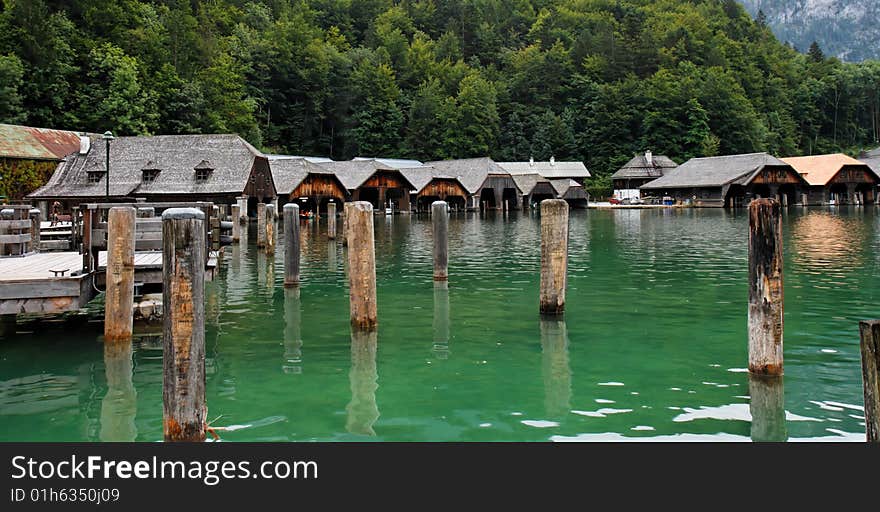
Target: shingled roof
<point x="30" y="143"/>
<point x="818" y="170"/>
<point x="716" y="171"/>
<point x="639" y="168"/>
<point x="176" y="157"/>
<point x="289" y="172"/>
<point x="353" y="173"/>
<point x="526" y="183"/>
<point x="470" y="172"/>
<point x="550" y="169"/>
<point x="872" y="158"/>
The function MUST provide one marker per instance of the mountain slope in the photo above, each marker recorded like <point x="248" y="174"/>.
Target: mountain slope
<point x="845" y="28"/>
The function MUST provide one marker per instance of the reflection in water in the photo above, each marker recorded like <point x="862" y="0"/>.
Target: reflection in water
<point x="266" y="271"/>
<point x="823" y="241"/>
<point x="362" y="410"/>
<point x="119" y="406"/>
<point x="331" y="256"/>
<point x="767" y="408"/>
<point x="555" y="367"/>
<point x="441" y="320"/>
<point x="292" y="338"/>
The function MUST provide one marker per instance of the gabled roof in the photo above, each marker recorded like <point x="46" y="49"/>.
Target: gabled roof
<point x="551" y="169"/>
<point x="289" y="172"/>
<point x="30" y="143"/>
<point x="639" y="167"/>
<point x="229" y="157"/>
<point x="563" y="185"/>
<point x="353" y="173"/>
<point x="716" y="171"/>
<point x="395" y="163"/>
<point x="470" y="172"/>
<point x="526" y="183"/>
<point x="818" y="170"/>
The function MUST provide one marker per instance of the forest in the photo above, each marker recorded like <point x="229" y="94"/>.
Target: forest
<point x="589" y="80"/>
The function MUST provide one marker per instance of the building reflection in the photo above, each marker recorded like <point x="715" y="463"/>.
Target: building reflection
<point x="119" y="406"/>
<point x="292" y="362"/>
<point x="364" y="379"/>
<point x="767" y="408"/>
<point x="440" y="347"/>
<point x="555" y="367"/>
<point x="826" y="240"/>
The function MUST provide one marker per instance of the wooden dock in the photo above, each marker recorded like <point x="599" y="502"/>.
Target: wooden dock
<point x="28" y="285"/>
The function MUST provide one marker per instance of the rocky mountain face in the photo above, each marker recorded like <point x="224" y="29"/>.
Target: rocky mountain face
<point x="848" y="29"/>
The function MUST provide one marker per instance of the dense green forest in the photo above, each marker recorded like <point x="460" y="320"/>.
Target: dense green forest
<point x="591" y="80"/>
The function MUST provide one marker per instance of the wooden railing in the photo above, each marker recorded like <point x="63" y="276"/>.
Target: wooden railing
<point x="19" y="230"/>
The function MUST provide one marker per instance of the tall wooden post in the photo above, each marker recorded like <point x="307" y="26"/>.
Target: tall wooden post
<point x="345" y="216"/>
<point x="270" y="229"/>
<point x="236" y="223"/>
<point x="35" y="229"/>
<point x="331" y="221"/>
<point x="765" y="288"/>
<point x="291" y="244"/>
<point x="183" y="297"/>
<point x="362" y="265"/>
<point x="215" y="228"/>
<point x="440" y="223"/>
<point x="119" y="303"/>
<point x="242" y="201"/>
<point x="870" y="345"/>
<point x="261" y="224"/>
<point x="554" y="255"/>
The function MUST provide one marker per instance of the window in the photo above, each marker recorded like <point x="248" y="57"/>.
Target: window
<point x="202" y="174"/>
<point x="150" y="175"/>
<point x="95" y="176"/>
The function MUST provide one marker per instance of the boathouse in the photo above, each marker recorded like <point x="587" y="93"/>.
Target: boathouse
<point x="573" y="192"/>
<point x="550" y="169"/>
<point x="301" y="181"/>
<point x="640" y="170"/>
<point x="729" y="181"/>
<point x="383" y="185"/>
<point x="534" y="188"/>
<point x="489" y="187"/>
<point x="835" y="179"/>
<point x="29" y="156"/>
<point x="431" y="185"/>
<point x="164" y="168"/>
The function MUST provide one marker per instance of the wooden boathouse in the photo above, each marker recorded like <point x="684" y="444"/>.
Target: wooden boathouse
<point x="163" y="168"/>
<point x="431" y="185"/>
<point x="372" y="180"/>
<point x="729" y="181"/>
<point x="642" y="169"/>
<point x="307" y="184"/>
<point x="489" y="187"/>
<point x="835" y="179"/>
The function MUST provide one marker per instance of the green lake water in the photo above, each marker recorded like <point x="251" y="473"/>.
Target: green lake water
<point x="653" y="343"/>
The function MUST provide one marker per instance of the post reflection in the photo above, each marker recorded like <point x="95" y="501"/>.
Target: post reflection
<point x="119" y="406"/>
<point x="363" y="377"/>
<point x="555" y="367"/>
<point x="292" y="337"/>
<point x="767" y="408"/>
<point x="440" y="347"/>
<point x="266" y="271"/>
<point x="331" y="255"/>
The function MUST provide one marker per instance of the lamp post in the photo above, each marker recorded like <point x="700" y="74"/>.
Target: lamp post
<point x="108" y="136"/>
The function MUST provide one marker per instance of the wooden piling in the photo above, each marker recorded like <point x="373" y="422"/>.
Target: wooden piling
<point x="270" y="229"/>
<point x="215" y="228"/>
<point x="35" y="217"/>
<point x="870" y="345"/>
<point x="554" y="255"/>
<point x="362" y="265"/>
<point x="236" y="223"/>
<point x="261" y="224"/>
<point x="440" y="223"/>
<point x="119" y="301"/>
<point x="345" y="207"/>
<point x="331" y="221"/>
<point x="765" y="288"/>
<point x="291" y="244"/>
<point x="183" y="296"/>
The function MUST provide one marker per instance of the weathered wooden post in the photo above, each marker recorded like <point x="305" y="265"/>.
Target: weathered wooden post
<point x="183" y="299"/>
<point x="270" y="228"/>
<point x="362" y="265"/>
<point x="767" y="408"/>
<point x="236" y="223"/>
<point x="765" y="288"/>
<point x="345" y="207"/>
<point x="291" y="244"/>
<point x="331" y="221"/>
<point x="119" y="301"/>
<point x="35" y="217"/>
<point x="241" y="201"/>
<point x="870" y="345"/>
<point x="554" y="255"/>
<point x="363" y="377"/>
<point x="440" y="223"/>
<point x="215" y="228"/>
<point x="261" y="224"/>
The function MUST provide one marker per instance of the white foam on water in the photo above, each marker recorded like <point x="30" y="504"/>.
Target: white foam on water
<point x="485" y="425"/>
<point x="828" y="351"/>
<point x="738" y="370"/>
<point x="540" y="423"/>
<point x="611" y="384"/>
<point x="516" y="414"/>
<point x="846" y="406"/>
<point x="591" y="414"/>
<point x="606" y="410"/>
<point x="736" y="412"/>
<point x="674" y="389"/>
<point x="642" y="427"/>
<point x="604" y="401"/>
<point x="823" y="405"/>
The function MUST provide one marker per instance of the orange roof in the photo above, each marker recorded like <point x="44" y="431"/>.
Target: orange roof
<point x="819" y="169"/>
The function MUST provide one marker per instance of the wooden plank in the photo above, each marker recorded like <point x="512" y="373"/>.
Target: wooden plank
<point x="40" y="288"/>
<point x="15" y="224"/>
<point x="15" y="239"/>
